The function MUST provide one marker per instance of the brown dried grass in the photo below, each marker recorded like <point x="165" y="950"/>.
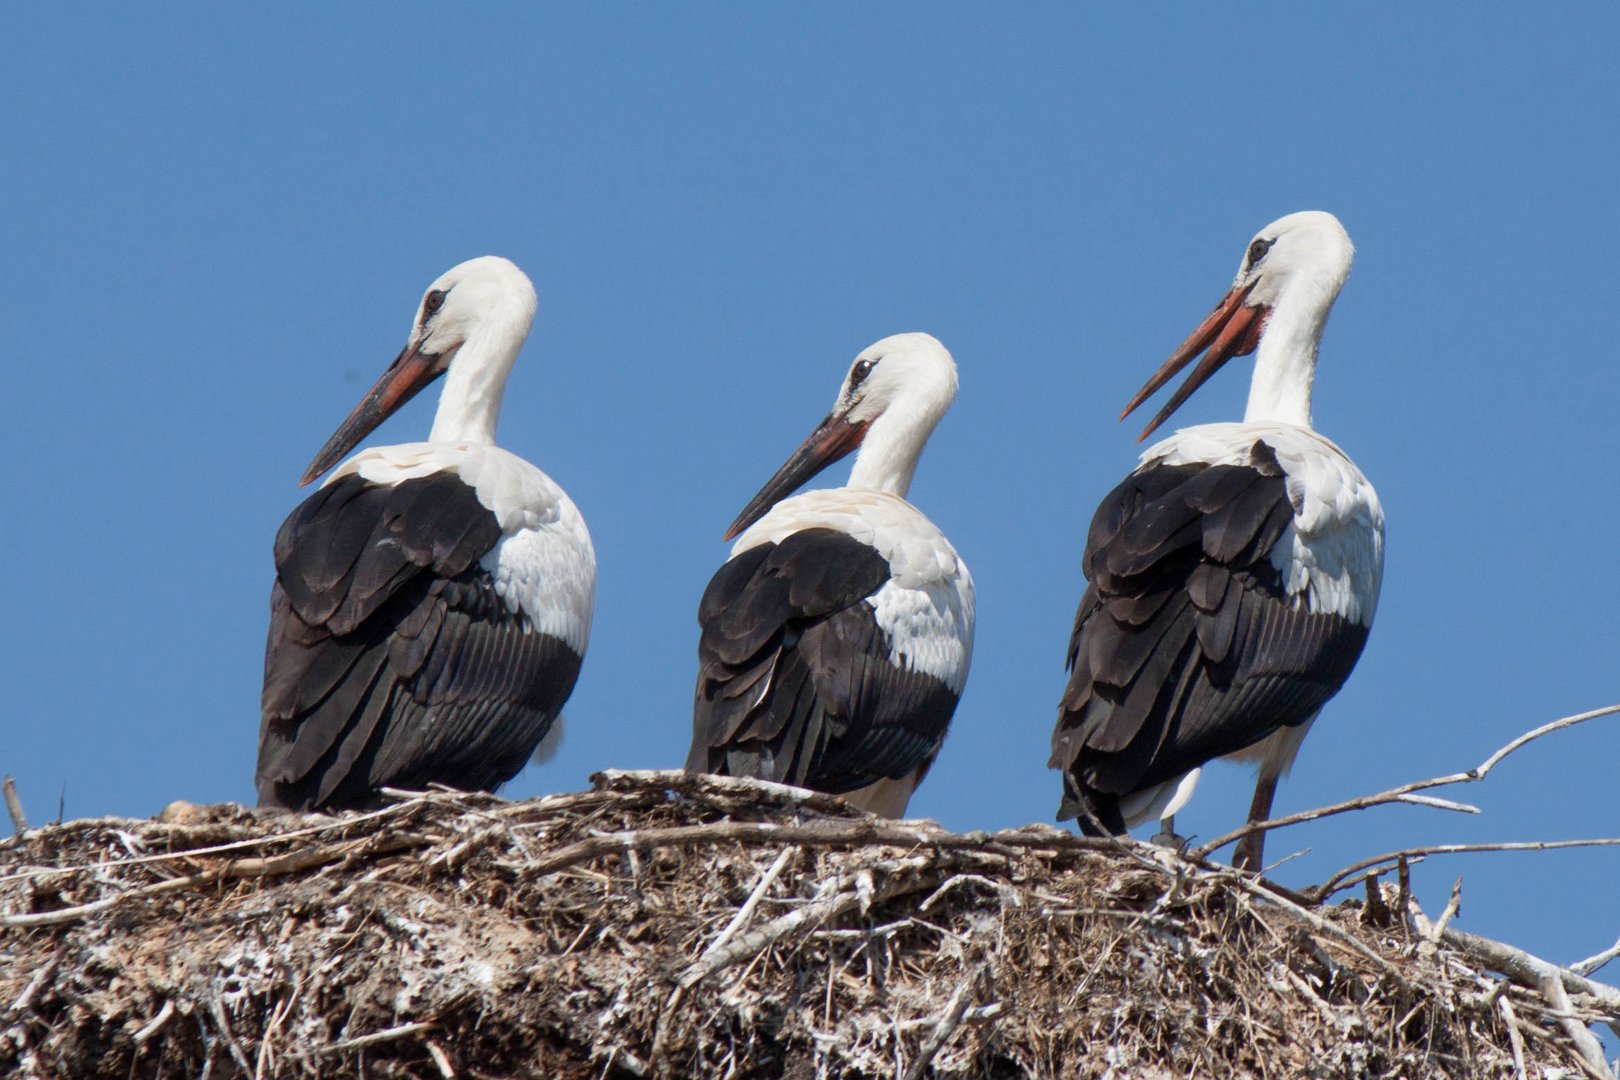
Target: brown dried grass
<point x="604" y="933"/>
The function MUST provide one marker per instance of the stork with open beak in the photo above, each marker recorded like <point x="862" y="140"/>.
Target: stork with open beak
<point x="432" y="600"/>
<point x="1234" y="575"/>
<point x="836" y="639"/>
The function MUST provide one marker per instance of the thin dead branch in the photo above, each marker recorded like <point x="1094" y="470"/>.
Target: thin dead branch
<point x="1404" y="793"/>
<point x="1515" y="1040"/>
<point x="1532" y="971"/>
<point x="1597" y="962"/>
<point x="738" y="921"/>
<point x="1591" y="1051"/>
<point x="389" y="1035"/>
<point x="1346" y="878"/>
<point x="836" y="896"/>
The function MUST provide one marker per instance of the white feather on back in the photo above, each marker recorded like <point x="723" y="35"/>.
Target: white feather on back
<point x="544" y="564"/>
<point x="926" y="607"/>
<point x="1332" y="557"/>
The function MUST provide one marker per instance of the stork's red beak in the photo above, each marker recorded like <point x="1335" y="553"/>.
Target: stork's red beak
<point x="1232" y="329"/>
<point x="411" y="370"/>
<point x="832" y="439"/>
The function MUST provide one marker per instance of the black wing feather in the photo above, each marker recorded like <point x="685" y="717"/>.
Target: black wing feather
<point x="794" y="682"/>
<point x="1185" y="646"/>
<point x="391" y="660"/>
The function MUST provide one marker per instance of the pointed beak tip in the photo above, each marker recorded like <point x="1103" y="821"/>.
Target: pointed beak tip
<point x="410" y="372"/>
<point x="1232" y="329"/>
<point x="833" y="438"/>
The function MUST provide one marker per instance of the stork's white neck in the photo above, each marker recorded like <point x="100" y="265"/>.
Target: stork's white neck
<point x="888" y="456"/>
<point x="470" y="403"/>
<point x="1285" y="362"/>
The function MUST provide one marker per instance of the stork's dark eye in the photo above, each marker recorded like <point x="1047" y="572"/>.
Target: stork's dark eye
<point x="1257" y="251"/>
<point x="860" y="371"/>
<point x="432" y="303"/>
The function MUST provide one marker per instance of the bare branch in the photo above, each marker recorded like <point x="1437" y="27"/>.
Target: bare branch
<point x="679" y="780"/>
<point x="441" y="1059"/>
<point x="1594" y="963"/>
<point x="403" y="1031"/>
<point x="746" y="912"/>
<point x="327" y="825"/>
<point x="1531" y="736"/>
<point x="1403" y="793"/>
<point x="1514" y="1038"/>
<point x="155" y="1025"/>
<point x="1338" y="882"/>
<point x="837" y="895"/>
<point x="340" y="823"/>
<point x="216" y="1009"/>
<point x="1438" y="803"/>
<point x="1588" y="1050"/>
<point x="1530" y="971"/>
<point x="835" y="833"/>
<point x="1453" y="905"/>
<point x="622" y="1058"/>
<point x="25" y="1000"/>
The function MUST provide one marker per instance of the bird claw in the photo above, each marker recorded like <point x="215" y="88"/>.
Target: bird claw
<point x="1167" y="838"/>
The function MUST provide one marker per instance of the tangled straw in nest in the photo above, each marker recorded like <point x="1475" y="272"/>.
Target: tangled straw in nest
<point x="662" y="924"/>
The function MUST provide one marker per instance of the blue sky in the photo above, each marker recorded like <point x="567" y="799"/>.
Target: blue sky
<point x="217" y="224"/>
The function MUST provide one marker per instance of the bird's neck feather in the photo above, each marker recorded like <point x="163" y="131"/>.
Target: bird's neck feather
<point x="470" y="403"/>
<point x="888" y="456"/>
<point x="1285" y="364"/>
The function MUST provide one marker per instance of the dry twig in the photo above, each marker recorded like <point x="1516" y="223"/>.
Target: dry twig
<point x="1404" y="793"/>
<point x="1515" y="1040"/>
<point x="1597" y="962"/>
<point x="1591" y="1051"/>
<point x="1347" y="878"/>
<point x="389" y="1035"/>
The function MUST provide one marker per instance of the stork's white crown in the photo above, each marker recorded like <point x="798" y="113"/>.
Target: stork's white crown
<point x="909" y="385"/>
<point x="488" y="308"/>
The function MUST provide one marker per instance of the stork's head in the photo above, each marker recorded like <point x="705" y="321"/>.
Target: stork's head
<point x="1291" y="271"/>
<point x="486" y="298"/>
<point x="895" y="392"/>
<point x="912" y="373"/>
<point x="487" y="303"/>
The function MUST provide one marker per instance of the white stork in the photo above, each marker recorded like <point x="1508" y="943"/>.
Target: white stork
<point x="432" y="600"/>
<point x="1234" y="575"/>
<point x="836" y="640"/>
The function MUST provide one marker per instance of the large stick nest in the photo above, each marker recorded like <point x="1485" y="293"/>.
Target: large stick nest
<point x="685" y="926"/>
